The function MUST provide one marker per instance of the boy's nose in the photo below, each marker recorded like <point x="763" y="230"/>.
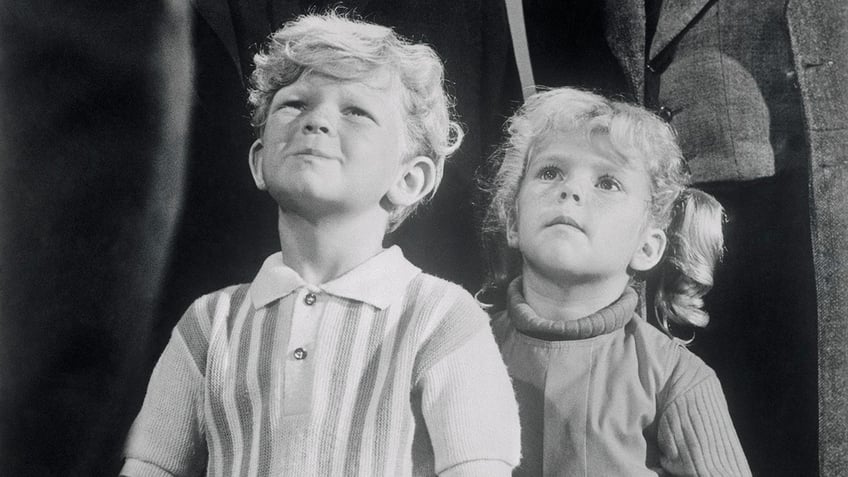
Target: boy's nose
<point x="317" y="123"/>
<point x="316" y="127"/>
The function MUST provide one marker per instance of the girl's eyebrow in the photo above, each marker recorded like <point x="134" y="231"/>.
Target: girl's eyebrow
<point x="551" y="156"/>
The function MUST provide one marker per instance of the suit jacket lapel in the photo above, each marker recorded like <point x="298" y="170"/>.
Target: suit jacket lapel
<point x="217" y="15"/>
<point x="625" y="35"/>
<point x="675" y="16"/>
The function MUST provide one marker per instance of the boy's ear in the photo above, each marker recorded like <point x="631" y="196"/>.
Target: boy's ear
<point x="255" y="160"/>
<point x="417" y="179"/>
<point x="651" y="250"/>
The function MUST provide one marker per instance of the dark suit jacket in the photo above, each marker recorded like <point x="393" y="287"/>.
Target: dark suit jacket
<point x="757" y="88"/>
<point x="722" y="73"/>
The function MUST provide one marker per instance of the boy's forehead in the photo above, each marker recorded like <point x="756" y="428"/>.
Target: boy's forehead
<point x="379" y="86"/>
<point x="381" y="79"/>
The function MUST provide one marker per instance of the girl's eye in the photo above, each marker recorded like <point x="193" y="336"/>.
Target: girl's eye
<point x="549" y="173"/>
<point x="608" y="183"/>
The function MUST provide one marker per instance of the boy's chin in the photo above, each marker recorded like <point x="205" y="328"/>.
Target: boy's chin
<point x="316" y="207"/>
<point x="309" y="206"/>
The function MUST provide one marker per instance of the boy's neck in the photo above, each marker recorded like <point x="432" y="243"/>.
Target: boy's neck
<point x="324" y="249"/>
<point x="559" y="301"/>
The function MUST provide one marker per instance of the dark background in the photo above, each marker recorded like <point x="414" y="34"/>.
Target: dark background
<point x="113" y="223"/>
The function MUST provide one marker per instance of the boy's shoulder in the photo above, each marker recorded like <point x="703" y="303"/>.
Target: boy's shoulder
<point x="223" y="298"/>
<point x="426" y="290"/>
<point x="434" y="283"/>
<point x="216" y="305"/>
<point x="441" y="307"/>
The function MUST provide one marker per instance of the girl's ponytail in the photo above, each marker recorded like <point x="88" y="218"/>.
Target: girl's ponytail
<point x="695" y="245"/>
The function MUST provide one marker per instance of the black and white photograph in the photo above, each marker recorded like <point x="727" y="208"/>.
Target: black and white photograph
<point x="461" y="238"/>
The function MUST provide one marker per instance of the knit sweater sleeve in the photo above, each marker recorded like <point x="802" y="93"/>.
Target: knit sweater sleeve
<point x="167" y="437"/>
<point x="466" y="396"/>
<point x="695" y="433"/>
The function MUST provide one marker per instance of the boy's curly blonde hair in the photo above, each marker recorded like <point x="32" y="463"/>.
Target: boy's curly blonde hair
<point x="337" y="45"/>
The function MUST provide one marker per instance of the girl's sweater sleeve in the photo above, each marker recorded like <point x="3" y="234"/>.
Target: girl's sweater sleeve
<point x="466" y="397"/>
<point x="695" y="433"/>
<point x="167" y="437"/>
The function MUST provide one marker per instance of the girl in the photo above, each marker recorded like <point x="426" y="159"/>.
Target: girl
<point x="590" y="198"/>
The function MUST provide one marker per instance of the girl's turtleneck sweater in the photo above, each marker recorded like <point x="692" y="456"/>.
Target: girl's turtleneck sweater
<point x="609" y="394"/>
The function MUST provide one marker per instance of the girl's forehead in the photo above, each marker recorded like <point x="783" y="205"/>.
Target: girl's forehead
<point x="577" y="145"/>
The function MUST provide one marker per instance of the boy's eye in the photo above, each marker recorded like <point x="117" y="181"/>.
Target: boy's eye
<point x="358" y="112"/>
<point x="608" y="183"/>
<point x="293" y="105"/>
<point x="548" y="173"/>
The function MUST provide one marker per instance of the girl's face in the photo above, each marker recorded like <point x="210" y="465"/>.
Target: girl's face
<point x="581" y="216"/>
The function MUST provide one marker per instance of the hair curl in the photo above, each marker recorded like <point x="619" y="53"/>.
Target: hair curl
<point x="691" y="219"/>
<point x="337" y="45"/>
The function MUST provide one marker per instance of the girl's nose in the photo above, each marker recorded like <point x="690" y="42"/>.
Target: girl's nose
<point x="570" y="191"/>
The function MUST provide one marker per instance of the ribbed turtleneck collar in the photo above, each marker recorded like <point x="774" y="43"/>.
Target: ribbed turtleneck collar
<point x="602" y="322"/>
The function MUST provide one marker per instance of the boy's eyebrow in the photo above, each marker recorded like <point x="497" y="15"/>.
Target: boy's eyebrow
<point x="277" y="98"/>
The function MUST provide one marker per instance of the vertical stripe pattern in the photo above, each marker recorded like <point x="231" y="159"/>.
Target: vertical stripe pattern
<point x="360" y="418"/>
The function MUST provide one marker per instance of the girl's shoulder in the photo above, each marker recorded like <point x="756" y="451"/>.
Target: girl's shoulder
<point x="677" y="367"/>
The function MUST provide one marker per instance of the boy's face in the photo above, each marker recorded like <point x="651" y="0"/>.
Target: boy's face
<point x="581" y="216"/>
<point x="331" y="146"/>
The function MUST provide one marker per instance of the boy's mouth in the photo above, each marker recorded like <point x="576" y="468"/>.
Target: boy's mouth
<point x="565" y="220"/>
<point x="308" y="151"/>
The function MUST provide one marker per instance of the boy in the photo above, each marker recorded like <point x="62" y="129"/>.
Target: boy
<point x="340" y="357"/>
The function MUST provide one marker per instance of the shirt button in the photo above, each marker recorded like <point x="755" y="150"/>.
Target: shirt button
<point x="310" y="298"/>
<point x="299" y="354"/>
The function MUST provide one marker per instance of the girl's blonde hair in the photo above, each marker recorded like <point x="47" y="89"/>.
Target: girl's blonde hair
<point x="692" y="219"/>
<point x="336" y="45"/>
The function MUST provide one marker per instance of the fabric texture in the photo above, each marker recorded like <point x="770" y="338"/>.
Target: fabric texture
<point x="756" y="91"/>
<point x="819" y="33"/>
<point x="403" y="378"/>
<point x="722" y="77"/>
<point x="613" y="396"/>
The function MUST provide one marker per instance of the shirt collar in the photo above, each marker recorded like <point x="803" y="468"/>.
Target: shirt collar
<point x="604" y="321"/>
<point x="377" y="281"/>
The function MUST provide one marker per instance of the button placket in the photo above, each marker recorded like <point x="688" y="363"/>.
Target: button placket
<point x="300" y="360"/>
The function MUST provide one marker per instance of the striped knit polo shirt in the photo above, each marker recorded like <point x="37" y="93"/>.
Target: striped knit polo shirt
<point x="382" y="371"/>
